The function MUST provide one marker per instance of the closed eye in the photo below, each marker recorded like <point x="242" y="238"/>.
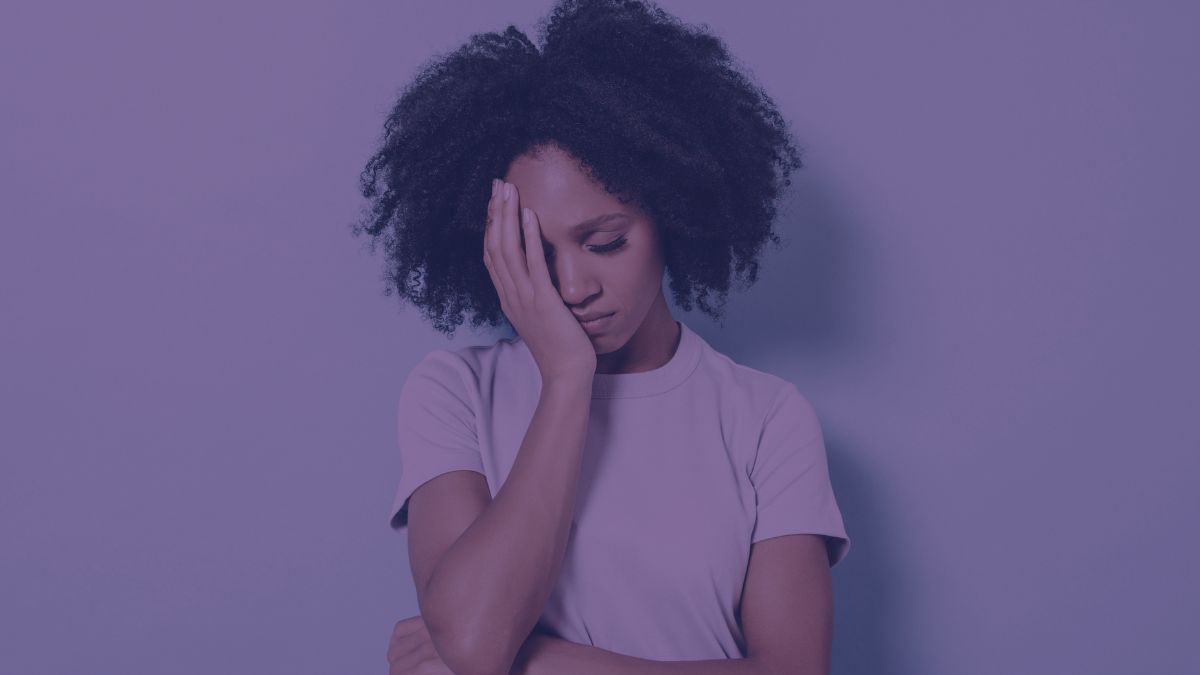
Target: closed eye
<point x="610" y="247"/>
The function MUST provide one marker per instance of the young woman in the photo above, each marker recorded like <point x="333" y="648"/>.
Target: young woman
<point x="604" y="492"/>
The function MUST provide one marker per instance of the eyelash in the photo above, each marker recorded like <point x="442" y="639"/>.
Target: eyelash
<point x="611" y="247"/>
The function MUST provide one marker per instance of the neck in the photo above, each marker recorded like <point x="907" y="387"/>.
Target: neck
<point x="650" y="347"/>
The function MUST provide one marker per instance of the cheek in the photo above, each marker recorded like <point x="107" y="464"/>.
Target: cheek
<point x="630" y="270"/>
<point x="650" y="265"/>
<point x="640" y="276"/>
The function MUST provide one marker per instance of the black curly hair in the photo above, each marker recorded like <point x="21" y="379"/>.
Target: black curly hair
<point x="654" y="110"/>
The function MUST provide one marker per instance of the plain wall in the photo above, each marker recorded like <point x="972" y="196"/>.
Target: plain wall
<point x="989" y="295"/>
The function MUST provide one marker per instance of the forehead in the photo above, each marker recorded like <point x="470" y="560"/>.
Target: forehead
<point x="553" y="184"/>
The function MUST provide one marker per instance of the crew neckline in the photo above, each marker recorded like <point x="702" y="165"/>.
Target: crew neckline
<point x="648" y="382"/>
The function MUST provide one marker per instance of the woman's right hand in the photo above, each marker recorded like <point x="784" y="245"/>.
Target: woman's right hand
<point x="529" y="299"/>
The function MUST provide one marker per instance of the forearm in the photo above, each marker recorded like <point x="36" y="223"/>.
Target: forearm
<point x="547" y="655"/>
<point x="502" y="569"/>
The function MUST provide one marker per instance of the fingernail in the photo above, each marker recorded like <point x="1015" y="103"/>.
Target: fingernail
<point x="508" y="190"/>
<point x="493" y="187"/>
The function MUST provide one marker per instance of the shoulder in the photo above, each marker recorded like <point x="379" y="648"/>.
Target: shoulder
<point x="760" y="391"/>
<point x="471" y="367"/>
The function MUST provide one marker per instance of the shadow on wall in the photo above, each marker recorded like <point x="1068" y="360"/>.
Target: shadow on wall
<point x="807" y="299"/>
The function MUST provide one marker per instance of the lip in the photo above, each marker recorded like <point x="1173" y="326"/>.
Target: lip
<point x="596" y="325"/>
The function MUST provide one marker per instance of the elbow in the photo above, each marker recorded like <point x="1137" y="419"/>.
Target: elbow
<point x="467" y="641"/>
<point x="454" y="645"/>
<point x="470" y="654"/>
<point x="457" y="657"/>
<point x="474" y="657"/>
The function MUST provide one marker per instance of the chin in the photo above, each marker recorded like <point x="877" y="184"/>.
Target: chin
<point x="603" y="344"/>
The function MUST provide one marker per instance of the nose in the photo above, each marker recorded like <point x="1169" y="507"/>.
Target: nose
<point x="574" y="281"/>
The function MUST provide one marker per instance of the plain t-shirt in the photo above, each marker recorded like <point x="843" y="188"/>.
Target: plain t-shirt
<point x="684" y="468"/>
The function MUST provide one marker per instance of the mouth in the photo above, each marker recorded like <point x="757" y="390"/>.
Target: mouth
<point x="597" y="323"/>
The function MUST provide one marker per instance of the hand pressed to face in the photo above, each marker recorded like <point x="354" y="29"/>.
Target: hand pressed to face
<point x="528" y="297"/>
<point x="604" y="255"/>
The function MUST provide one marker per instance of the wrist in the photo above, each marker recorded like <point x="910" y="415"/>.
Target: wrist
<point x="566" y="383"/>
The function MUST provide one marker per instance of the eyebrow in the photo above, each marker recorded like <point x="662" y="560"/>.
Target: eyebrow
<point x="593" y="223"/>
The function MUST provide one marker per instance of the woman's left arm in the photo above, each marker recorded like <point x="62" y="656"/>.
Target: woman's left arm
<point x="547" y="655"/>
<point x="787" y="619"/>
<point x="786" y="614"/>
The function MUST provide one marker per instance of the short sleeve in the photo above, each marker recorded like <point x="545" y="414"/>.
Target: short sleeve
<point x="791" y="477"/>
<point x="436" y="430"/>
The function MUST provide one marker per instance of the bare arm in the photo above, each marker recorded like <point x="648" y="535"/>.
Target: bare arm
<point x="787" y="616"/>
<point x="548" y="655"/>
<point x="488" y="590"/>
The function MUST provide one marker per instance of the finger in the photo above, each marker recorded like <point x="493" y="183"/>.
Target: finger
<point x="535" y="252"/>
<point x="500" y="276"/>
<point x="403" y="646"/>
<point x="410" y="625"/>
<point x="500" y="262"/>
<point x="406" y="635"/>
<point x="510" y="244"/>
<point x="424" y="659"/>
<point x="411" y="660"/>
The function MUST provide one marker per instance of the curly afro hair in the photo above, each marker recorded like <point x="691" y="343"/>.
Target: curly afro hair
<point x="655" y="111"/>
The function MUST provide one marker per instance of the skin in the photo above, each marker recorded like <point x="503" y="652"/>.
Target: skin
<point x="787" y="608"/>
<point x="642" y="335"/>
<point x="788" y="581"/>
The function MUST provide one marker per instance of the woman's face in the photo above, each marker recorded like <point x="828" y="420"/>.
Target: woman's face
<point x="603" y="256"/>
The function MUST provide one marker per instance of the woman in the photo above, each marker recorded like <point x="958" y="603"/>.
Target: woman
<point x="604" y="492"/>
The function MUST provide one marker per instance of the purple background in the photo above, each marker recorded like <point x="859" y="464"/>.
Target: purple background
<point x="990" y="298"/>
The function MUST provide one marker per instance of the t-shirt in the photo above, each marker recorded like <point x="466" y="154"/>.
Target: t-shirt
<point x="683" y="468"/>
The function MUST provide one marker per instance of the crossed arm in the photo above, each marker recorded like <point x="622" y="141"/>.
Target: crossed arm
<point x="546" y="655"/>
<point x="786" y="616"/>
<point x="787" y="619"/>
